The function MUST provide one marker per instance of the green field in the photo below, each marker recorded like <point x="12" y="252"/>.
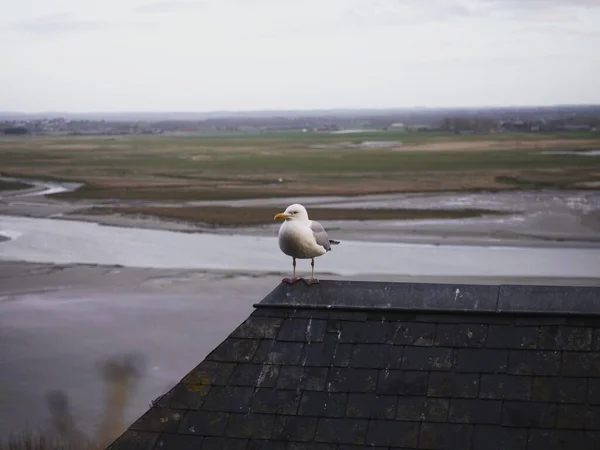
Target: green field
<point x="177" y="168"/>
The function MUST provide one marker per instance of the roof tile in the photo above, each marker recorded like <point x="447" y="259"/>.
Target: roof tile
<point x="324" y="404"/>
<point x="302" y="330"/>
<point x="245" y="426"/>
<point x="579" y="364"/>
<point x="596" y="340"/>
<point x="512" y="337"/>
<point x="367" y="356"/>
<point x="159" y="420"/>
<point x="359" y="447"/>
<point x="134" y="440"/>
<point x="527" y="414"/>
<point x="367" y="333"/>
<point x="505" y="387"/>
<point x="179" y="441"/>
<point x="274" y="401"/>
<point x="561" y="390"/>
<point x="310" y="446"/>
<point x="431" y="358"/>
<point x="393" y="433"/>
<point x="402" y="382"/>
<point x="295" y="428"/>
<point x="235" y="350"/>
<point x="343" y="355"/>
<point x="305" y="378"/>
<point x="368" y="406"/>
<point x="442" y="384"/>
<point x="255" y="375"/>
<point x="461" y="335"/>
<point x="214" y="443"/>
<point x="265" y="445"/>
<point x="438" y="436"/>
<point x="533" y="362"/>
<point x="209" y="373"/>
<point x="355" y="316"/>
<point x="334" y="326"/>
<point x="475" y="360"/>
<point x="594" y="391"/>
<point x="185" y="395"/>
<point x="418" y="334"/>
<point x="274" y="352"/>
<point x="562" y="439"/>
<point x="579" y="417"/>
<point x="352" y="380"/>
<point x="320" y="353"/>
<point x="342" y="431"/>
<point x="475" y="411"/>
<point x="486" y="437"/>
<point x="258" y="328"/>
<point x="422" y="409"/>
<point x="229" y="399"/>
<point x="577" y="338"/>
<point x="566" y="338"/>
<point x="204" y="423"/>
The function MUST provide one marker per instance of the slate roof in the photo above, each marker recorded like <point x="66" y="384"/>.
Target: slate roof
<point x="352" y="365"/>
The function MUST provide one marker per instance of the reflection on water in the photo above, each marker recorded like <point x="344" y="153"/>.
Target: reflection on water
<point x="120" y="375"/>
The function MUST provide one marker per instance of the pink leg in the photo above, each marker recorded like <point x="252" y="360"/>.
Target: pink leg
<point x="293" y="279"/>
<point x="312" y="280"/>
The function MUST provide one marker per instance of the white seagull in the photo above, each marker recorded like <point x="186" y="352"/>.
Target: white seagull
<point x="302" y="238"/>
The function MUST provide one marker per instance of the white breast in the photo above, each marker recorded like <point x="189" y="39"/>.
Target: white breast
<point x="296" y="239"/>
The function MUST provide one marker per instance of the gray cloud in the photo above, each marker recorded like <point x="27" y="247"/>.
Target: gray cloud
<point x="455" y="10"/>
<point x="59" y="23"/>
<point x="541" y="4"/>
<point x="366" y="17"/>
<point x="571" y="31"/>
<point x="65" y="23"/>
<point x="168" y="6"/>
<point x="535" y="11"/>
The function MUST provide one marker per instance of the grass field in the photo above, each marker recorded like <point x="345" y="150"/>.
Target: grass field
<point x="182" y="168"/>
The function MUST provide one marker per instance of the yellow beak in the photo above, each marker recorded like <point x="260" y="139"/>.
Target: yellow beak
<point x="281" y="216"/>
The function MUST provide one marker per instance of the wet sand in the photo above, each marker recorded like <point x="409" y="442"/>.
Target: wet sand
<point x="59" y="323"/>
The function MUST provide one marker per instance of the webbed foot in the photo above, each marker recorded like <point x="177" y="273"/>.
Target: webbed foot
<point x="291" y="280"/>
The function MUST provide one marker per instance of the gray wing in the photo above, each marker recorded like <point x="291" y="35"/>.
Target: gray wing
<point x="320" y="235"/>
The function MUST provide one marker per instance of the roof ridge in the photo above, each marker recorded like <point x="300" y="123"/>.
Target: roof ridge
<point x="436" y="297"/>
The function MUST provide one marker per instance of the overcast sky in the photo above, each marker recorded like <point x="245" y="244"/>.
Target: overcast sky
<point x="201" y="55"/>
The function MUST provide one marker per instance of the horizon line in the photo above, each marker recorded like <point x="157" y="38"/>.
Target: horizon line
<point x="276" y="110"/>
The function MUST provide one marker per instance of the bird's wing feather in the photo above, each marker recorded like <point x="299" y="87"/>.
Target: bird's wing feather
<point x="320" y="235"/>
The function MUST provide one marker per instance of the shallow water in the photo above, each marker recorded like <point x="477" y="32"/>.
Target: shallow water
<point x="58" y="241"/>
<point x="579" y="153"/>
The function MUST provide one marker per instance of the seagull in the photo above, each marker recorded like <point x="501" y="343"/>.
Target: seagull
<point x="302" y="238"/>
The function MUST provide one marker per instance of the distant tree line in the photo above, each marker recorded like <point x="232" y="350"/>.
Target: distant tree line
<point x="482" y="124"/>
<point x="461" y="124"/>
<point x="15" y="131"/>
